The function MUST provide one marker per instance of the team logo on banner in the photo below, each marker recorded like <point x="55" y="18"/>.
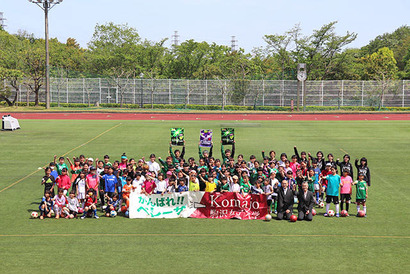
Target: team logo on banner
<point x="205" y="138"/>
<point x="177" y="136"/>
<point x="231" y="206"/>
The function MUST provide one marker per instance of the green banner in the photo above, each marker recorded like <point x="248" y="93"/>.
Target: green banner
<point x="227" y="136"/>
<point x="177" y="136"/>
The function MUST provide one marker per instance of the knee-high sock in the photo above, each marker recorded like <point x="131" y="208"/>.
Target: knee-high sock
<point x="337" y="208"/>
<point x="341" y="205"/>
<point x="358" y="208"/>
<point x="327" y="207"/>
<point x="347" y="206"/>
<point x="364" y="209"/>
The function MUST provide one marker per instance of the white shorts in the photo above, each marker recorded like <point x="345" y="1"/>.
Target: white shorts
<point x="81" y="195"/>
<point x="58" y="209"/>
<point x="316" y="186"/>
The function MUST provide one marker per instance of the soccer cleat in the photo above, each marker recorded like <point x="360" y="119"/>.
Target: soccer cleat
<point x="83" y="217"/>
<point x="326" y="215"/>
<point x="95" y="216"/>
<point x="337" y="215"/>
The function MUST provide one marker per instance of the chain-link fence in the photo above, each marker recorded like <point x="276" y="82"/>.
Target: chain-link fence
<point x="225" y="92"/>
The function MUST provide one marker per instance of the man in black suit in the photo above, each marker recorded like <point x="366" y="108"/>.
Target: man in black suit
<point x="285" y="201"/>
<point x="306" y="202"/>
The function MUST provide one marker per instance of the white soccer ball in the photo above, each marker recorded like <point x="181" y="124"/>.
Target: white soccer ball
<point x="331" y="213"/>
<point x="321" y="204"/>
<point x="113" y="213"/>
<point x="268" y="217"/>
<point x="34" y="215"/>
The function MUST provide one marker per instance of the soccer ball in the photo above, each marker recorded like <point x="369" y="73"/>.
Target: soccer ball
<point x="113" y="213"/>
<point x="313" y="212"/>
<point x="321" y="204"/>
<point x="268" y="217"/>
<point x="344" y="213"/>
<point x="34" y="215"/>
<point x="80" y="210"/>
<point x="361" y="213"/>
<point x="331" y="213"/>
<point x="293" y="218"/>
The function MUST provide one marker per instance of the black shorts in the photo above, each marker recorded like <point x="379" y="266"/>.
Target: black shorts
<point x="329" y="199"/>
<point x="269" y="202"/>
<point x="110" y="194"/>
<point x="345" y="197"/>
<point x="360" y="200"/>
<point x="73" y="213"/>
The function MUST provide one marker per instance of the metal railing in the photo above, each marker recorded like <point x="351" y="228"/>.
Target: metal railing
<point x="225" y="92"/>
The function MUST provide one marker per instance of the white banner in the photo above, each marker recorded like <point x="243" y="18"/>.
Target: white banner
<point x="174" y="205"/>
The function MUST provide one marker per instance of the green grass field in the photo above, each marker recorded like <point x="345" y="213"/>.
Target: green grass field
<point x="376" y="244"/>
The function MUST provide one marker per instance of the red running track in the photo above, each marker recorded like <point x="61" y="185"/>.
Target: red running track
<point x="210" y="116"/>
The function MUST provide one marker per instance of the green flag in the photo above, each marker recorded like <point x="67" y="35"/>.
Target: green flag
<point x="227" y="136"/>
<point x="177" y="136"/>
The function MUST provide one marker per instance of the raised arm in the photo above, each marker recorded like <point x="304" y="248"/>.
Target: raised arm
<point x="199" y="150"/>
<point x="183" y="151"/>
<point x="296" y="153"/>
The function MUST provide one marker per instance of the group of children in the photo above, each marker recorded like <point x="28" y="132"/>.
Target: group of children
<point x="94" y="183"/>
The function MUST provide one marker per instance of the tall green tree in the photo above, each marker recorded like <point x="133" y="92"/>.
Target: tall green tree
<point x="113" y="52"/>
<point x="381" y="66"/>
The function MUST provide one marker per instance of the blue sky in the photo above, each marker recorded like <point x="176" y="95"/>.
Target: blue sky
<point x="210" y="20"/>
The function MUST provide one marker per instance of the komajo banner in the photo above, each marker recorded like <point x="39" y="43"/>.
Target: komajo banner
<point x="198" y="205"/>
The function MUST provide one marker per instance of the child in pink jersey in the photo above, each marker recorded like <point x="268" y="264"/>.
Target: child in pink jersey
<point x="92" y="179"/>
<point x="149" y="184"/>
<point x="294" y="165"/>
<point x="124" y="162"/>
<point x="345" y="189"/>
<point x="60" y="201"/>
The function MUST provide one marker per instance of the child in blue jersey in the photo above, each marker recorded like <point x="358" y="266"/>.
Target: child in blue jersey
<point x="316" y="184"/>
<point x="332" y="191"/>
<point x="111" y="182"/>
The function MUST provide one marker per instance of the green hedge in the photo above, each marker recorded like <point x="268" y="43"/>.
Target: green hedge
<point x="217" y="107"/>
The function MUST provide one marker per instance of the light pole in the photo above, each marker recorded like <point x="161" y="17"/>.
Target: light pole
<point x="46" y="5"/>
<point x="142" y="91"/>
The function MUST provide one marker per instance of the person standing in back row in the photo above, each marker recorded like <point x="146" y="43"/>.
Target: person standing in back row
<point x="363" y="169"/>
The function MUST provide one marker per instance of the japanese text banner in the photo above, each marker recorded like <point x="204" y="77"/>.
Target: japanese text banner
<point x="198" y="205"/>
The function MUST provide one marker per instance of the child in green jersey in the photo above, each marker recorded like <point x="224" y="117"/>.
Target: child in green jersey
<point x="361" y="193"/>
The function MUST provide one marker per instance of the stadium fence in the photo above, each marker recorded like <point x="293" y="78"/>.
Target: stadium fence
<point x="225" y="92"/>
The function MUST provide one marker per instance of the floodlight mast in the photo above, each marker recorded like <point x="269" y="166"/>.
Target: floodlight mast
<point x="46" y="6"/>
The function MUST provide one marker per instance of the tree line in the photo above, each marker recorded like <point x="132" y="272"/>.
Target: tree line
<point x="117" y="51"/>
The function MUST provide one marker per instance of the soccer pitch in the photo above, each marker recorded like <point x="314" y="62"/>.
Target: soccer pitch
<point x="376" y="244"/>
